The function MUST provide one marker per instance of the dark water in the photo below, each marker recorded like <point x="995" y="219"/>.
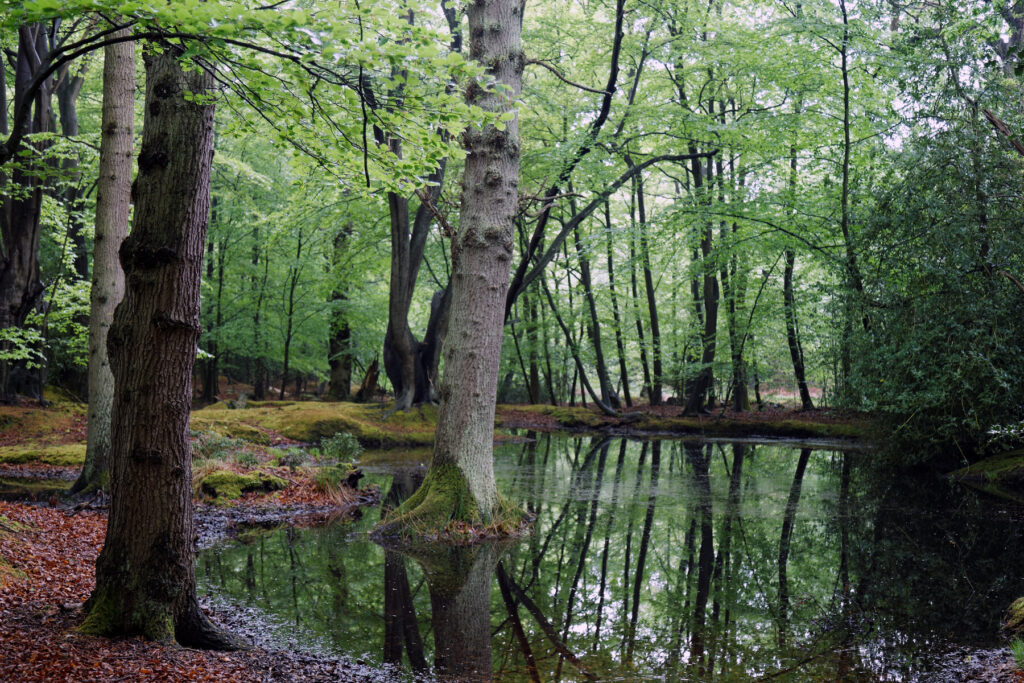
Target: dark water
<point x="658" y="560"/>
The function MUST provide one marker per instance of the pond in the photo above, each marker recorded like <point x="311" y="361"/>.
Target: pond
<point x="664" y="560"/>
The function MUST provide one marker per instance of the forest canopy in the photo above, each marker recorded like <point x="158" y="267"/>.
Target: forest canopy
<point x="720" y="204"/>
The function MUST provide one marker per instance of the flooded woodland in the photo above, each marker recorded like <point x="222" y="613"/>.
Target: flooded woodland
<point x="655" y="559"/>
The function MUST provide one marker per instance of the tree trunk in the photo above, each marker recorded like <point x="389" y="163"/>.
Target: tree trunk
<point x="652" y="305"/>
<point x="697" y="400"/>
<point x="113" y="205"/>
<point x="796" y="352"/>
<point x="616" y="317"/>
<point x="460" y="481"/>
<point x="411" y="365"/>
<point x="340" y="341"/>
<point x="145" y="577"/>
<point x="608" y="395"/>
<point x="20" y="285"/>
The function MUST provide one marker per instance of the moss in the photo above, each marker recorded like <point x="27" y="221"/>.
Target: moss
<point x="1014" y="620"/>
<point x="111" y="614"/>
<point x="1001" y="475"/>
<point x="442" y="498"/>
<point x="42" y="426"/>
<point x="68" y="455"/>
<point x="444" y="510"/>
<point x="310" y="422"/>
<point x="52" y="394"/>
<point x="571" y="417"/>
<point x="228" y="428"/>
<point x="225" y="485"/>
<point x="726" y="427"/>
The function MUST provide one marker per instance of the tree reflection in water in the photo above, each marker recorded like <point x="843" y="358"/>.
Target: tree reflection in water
<point x="689" y="560"/>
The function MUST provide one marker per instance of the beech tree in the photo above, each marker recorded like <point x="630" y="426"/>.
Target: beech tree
<point x="113" y="205"/>
<point x="145" y="578"/>
<point x="460" y="482"/>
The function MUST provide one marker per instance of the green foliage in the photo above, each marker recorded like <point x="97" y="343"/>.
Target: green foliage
<point x="944" y="358"/>
<point x="21" y="344"/>
<point x="340" y="447"/>
<point x="212" y="446"/>
<point x="66" y="325"/>
<point x="1017" y="648"/>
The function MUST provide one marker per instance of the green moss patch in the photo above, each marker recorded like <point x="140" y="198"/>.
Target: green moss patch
<point x="1001" y="475"/>
<point x="727" y="427"/>
<point x="569" y="417"/>
<point x="65" y="456"/>
<point x="313" y="421"/>
<point x="224" y="485"/>
<point x="1014" y="621"/>
<point x="58" y="423"/>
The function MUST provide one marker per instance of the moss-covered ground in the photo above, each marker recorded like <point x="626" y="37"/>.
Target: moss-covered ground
<point x="1001" y="475"/>
<point x="667" y="420"/>
<point x="64" y="455"/>
<point x="312" y="421"/>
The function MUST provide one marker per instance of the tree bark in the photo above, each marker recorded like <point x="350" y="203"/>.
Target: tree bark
<point x="340" y="341"/>
<point x="113" y="205"/>
<point x="608" y="395"/>
<point x="697" y="400"/>
<point x="145" y="577"/>
<point x="20" y="228"/>
<point x="616" y="316"/>
<point x="463" y="459"/>
<point x="796" y="352"/>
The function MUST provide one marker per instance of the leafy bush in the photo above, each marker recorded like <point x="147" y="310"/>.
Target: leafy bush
<point x="339" y="448"/>
<point x="210" y="446"/>
<point x="942" y="358"/>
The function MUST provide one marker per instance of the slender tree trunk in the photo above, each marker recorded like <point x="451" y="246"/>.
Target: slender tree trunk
<point x="210" y="369"/>
<point x="796" y="352"/>
<point x="635" y="292"/>
<point x="340" y="342"/>
<point x="608" y="396"/>
<point x="616" y="317"/>
<point x="652" y="304"/>
<point x="113" y="205"/>
<point x="698" y="398"/>
<point x="463" y="461"/>
<point x="145" y="577"/>
<point x="259" y="284"/>
<point x="289" y="330"/>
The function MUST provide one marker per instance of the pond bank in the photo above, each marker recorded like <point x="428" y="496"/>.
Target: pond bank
<point x="47" y="569"/>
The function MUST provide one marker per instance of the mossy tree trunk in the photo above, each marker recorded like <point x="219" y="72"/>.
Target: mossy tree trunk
<point x="460" y="483"/>
<point x="145" y="579"/>
<point x="113" y="205"/>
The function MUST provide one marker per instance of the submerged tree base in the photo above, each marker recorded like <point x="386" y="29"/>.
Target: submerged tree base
<point x="443" y="509"/>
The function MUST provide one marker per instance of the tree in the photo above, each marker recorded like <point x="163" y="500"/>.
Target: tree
<point x="460" y="482"/>
<point x="113" y="204"/>
<point x="20" y="283"/>
<point x="145" y="578"/>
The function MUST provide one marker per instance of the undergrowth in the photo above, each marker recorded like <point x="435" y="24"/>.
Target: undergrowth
<point x="1017" y="648"/>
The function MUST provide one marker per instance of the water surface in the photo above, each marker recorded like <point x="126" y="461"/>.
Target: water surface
<point x="656" y="560"/>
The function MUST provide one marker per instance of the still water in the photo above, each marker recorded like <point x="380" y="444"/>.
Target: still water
<point x="663" y="560"/>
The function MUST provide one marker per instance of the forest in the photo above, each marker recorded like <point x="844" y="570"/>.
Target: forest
<point x="593" y="338"/>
